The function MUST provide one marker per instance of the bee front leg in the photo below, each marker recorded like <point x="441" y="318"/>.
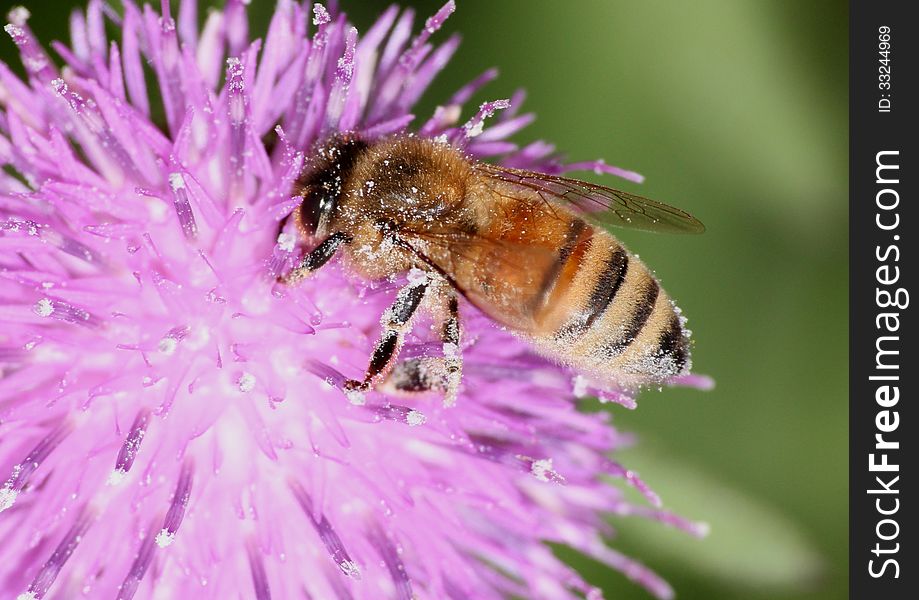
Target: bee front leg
<point x="315" y="259"/>
<point x="395" y="321"/>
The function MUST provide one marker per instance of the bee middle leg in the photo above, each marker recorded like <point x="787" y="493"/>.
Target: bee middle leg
<point x="395" y="321"/>
<point x="433" y="374"/>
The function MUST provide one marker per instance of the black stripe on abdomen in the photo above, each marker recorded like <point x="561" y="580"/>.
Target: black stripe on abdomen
<point x="572" y="239"/>
<point x="672" y="343"/>
<point x="630" y="330"/>
<point x="608" y="284"/>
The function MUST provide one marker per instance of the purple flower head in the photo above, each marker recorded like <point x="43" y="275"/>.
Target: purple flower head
<point x="172" y="425"/>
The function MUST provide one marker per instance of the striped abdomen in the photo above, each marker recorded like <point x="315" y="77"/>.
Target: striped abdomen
<point x="584" y="300"/>
<point x="606" y="313"/>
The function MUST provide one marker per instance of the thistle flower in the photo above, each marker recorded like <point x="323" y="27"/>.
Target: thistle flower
<point x="172" y="426"/>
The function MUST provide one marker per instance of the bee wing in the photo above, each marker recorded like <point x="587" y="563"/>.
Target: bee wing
<point x="518" y="267"/>
<point x="515" y="254"/>
<point x="603" y="206"/>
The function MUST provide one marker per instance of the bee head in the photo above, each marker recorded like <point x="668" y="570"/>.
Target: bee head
<point x="321" y="182"/>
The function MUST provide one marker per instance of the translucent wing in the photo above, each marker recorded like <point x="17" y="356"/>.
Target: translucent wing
<point x="504" y="278"/>
<point x="602" y="205"/>
<point x="483" y="266"/>
<point x="477" y="247"/>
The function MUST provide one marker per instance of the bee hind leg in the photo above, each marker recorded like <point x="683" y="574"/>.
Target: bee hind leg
<point x="419" y="375"/>
<point x="395" y="321"/>
<point x="453" y="358"/>
<point x="315" y="259"/>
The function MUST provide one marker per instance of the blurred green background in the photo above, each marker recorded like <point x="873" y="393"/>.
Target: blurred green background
<point x="737" y="112"/>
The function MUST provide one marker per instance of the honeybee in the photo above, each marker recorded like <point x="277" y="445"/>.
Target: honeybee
<point x="531" y="251"/>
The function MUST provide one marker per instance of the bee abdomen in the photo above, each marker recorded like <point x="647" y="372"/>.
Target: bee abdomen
<point x="604" y="292"/>
<point x="610" y="316"/>
<point x="674" y="342"/>
<point x="642" y="310"/>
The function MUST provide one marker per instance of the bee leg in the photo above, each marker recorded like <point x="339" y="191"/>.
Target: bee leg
<point x="319" y="256"/>
<point x="419" y="375"/>
<point x="433" y="374"/>
<point x="453" y="358"/>
<point x="395" y="321"/>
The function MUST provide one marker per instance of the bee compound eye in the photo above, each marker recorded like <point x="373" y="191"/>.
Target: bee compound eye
<point x="310" y="212"/>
